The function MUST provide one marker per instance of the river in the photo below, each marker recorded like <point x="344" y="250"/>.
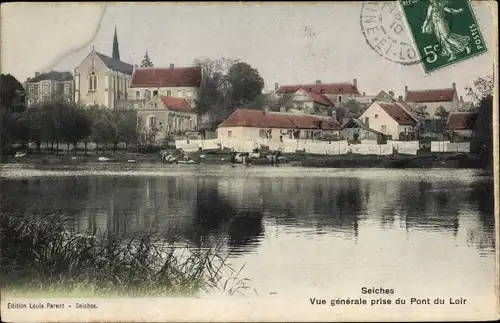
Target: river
<point x="298" y="231"/>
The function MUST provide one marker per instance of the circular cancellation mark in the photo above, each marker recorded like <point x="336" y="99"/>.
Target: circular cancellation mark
<point x="383" y="26"/>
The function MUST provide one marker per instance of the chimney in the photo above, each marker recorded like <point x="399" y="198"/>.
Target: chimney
<point x="454" y="86"/>
<point x="136" y="66"/>
<point x="355" y="82"/>
<point x="171" y="65"/>
<point x="276" y="86"/>
<point x="38" y="73"/>
<point x="364" y="93"/>
<point x="400" y="98"/>
<point x="406" y="89"/>
<point x="318" y="82"/>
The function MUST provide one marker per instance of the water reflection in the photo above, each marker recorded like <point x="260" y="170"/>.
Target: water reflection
<point x="240" y="210"/>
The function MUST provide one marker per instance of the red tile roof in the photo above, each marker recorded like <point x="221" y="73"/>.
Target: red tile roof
<point x="438" y="95"/>
<point x="166" y="77"/>
<point x="461" y="121"/>
<point x="177" y="104"/>
<point x="328" y="88"/>
<point x="398" y="114"/>
<point x="318" y="98"/>
<point x="260" y="119"/>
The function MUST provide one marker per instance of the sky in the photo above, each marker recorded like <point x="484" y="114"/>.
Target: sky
<point x="288" y="43"/>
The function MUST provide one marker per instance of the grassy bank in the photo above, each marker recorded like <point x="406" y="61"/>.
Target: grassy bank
<point x="39" y="256"/>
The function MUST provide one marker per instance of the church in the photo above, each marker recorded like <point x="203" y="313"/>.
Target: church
<point x="102" y="80"/>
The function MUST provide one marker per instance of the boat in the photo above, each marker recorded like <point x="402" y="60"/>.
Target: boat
<point x="103" y="159"/>
<point x="19" y="154"/>
<point x="131" y="161"/>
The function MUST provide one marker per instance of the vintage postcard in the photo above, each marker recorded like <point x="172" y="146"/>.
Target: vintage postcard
<point x="280" y="161"/>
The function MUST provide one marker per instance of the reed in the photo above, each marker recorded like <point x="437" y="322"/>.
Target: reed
<point x="39" y="255"/>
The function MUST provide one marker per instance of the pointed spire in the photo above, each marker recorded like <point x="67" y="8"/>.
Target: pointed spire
<point x="116" y="50"/>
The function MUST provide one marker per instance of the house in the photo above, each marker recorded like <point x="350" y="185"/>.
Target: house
<point x="355" y="129"/>
<point x="461" y="125"/>
<point x="430" y="100"/>
<point x="179" y="82"/>
<point x="164" y="116"/>
<point x="334" y="92"/>
<point x="390" y="119"/>
<point x="102" y="80"/>
<point x="246" y="124"/>
<point x="49" y="86"/>
<point x="305" y="102"/>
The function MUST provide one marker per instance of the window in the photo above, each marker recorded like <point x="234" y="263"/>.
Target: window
<point x="262" y="133"/>
<point x="30" y="102"/>
<point x="155" y="105"/>
<point x="367" y="120"/>
<point x="66" y="88"/>
<point x="376" y="116"/>
<point x="137" y="94"/>
<point x="32" y="89"/>
<point x="152" y="122"/>
<point x="147" y="94"/>
<point x="384" y="128"/>
<point x="340" y="98"/>
<point x="46" y="88"/>
<point x="229" y="133"/>
<point x="155" y="93"/>
<point x="189" y="93"/>
<point x="179" y="93"/>
<point x="93" y="81"/>
<point x="169" y="93"/>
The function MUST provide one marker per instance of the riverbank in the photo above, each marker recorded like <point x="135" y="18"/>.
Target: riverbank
<point x="424" y="159"/>
<point x="44" y="257"/>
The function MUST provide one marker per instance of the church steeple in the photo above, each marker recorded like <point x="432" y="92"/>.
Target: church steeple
<point x="116" y="50"/>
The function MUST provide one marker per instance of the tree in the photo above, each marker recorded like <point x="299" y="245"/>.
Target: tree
<point x="11" y="101"/>
<point x="245" y="82"/>
<point x="482" y="88"/>
<point x="482" y="144"/>
<point x="213" y="94"/>
<point x="75" y="126"/>
<point x="146" y="61"/>
<point x="442" y="114"/>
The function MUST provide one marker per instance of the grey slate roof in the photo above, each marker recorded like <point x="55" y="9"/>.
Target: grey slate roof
<point x="115" y="64"/>
<point x="54" y="76"/>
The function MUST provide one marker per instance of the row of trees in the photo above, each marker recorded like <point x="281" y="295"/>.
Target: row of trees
<point x="55" y="123"/>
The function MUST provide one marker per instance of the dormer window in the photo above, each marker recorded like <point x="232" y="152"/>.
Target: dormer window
<point x="93" y="81"/>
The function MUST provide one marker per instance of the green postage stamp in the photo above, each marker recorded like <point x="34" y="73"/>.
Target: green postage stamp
<point x="445" y="32"/>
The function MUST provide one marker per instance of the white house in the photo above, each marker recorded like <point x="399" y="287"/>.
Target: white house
<point x="102" y="80"/>
<point x="166" y="115"/>
<point x="429" y="100"/>
<point x="391" y="119"/>
<point x="245" y="124"/>
<point x="179" y="82"/>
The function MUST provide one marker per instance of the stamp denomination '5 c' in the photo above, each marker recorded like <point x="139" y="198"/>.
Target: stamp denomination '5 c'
<point x="445" y="32"/>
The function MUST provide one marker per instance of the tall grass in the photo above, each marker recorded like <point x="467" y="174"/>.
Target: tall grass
<point x="38" y="254"/>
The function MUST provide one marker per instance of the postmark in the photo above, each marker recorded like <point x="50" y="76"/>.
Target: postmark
<point x="444" y="32"/>
<point x="384" y="28"/>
